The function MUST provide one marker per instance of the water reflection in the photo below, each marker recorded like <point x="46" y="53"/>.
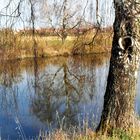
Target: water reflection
<point x="51" y="93"/>
<point x="69" y="88"/>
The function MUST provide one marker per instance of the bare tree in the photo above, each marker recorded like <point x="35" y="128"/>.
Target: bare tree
<point x="64" y="16"/>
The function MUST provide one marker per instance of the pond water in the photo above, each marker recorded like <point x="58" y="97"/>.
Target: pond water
<point x="47" y="94"/>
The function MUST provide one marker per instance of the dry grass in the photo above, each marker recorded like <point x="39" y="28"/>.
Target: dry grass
<point x="19" y="46"/>
<point x="89" y="135"/>
<point x="53" y="46"/>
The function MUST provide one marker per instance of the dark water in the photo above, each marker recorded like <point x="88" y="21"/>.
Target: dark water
<point x="47" y="94"/>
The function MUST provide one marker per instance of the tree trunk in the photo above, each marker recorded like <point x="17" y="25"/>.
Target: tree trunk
<point x="118" y="110"/>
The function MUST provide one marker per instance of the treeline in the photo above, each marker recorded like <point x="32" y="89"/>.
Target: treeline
<point x="57" y="31"/>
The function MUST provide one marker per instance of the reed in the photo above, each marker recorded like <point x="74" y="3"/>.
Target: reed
<point x="14" y="45"/>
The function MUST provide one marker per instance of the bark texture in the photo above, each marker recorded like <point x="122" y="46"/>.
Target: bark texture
<point x="118" y="110"/>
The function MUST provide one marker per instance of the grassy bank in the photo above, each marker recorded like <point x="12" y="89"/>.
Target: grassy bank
<point x="22" y="46"/>
<point x="90" y="135"/>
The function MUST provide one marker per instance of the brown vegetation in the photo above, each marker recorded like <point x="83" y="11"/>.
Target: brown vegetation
<point x="90" y="135"/>
<point x="21" y="44"/>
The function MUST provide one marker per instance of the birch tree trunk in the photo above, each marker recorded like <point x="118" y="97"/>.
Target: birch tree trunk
<point x="118" y="110"/>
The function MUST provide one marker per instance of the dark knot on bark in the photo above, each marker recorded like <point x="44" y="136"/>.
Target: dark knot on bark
<point x="126" y="42"/>
<point x="126" y="45"/>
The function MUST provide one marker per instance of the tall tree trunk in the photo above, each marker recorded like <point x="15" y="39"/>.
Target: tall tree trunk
<point x="118" y="110"/>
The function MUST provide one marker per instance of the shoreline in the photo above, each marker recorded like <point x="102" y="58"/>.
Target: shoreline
<point x="22" y="57"/>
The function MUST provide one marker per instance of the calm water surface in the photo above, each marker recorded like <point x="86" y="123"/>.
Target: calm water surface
<point x="46" y="94"/>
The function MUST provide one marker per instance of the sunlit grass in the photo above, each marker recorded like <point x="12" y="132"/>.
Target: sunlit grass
<point x="89" y="135"/>
<point x="22" y="46"/>
<point x="84" y="132"/>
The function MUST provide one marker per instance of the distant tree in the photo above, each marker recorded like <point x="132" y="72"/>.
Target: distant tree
<point x="118" y="109"/>
<point x="64" y="16"/>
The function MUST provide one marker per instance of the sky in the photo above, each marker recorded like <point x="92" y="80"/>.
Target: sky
<point x="106" y="13"/>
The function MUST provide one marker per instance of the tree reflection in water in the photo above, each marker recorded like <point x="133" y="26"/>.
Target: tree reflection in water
<point x="51" y="93"/>
<point x="67" y="90"/>
<point x="10" y="76"/>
